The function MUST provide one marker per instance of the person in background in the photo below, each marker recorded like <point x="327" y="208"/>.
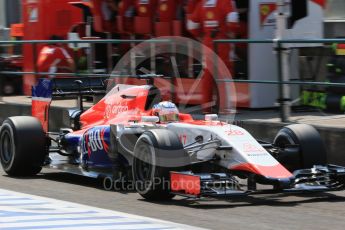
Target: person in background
<point x="109" y="9"/>
<point x="126" y="12"/>
<point x="169" y="10"/>
<point x="146" y="9"/>
<point x="54" y="58"/>
<point x="126" y="22"/>
<point x="212" y="20"/>
<point x="242" y="6"/>
<point x="189" y="6"/>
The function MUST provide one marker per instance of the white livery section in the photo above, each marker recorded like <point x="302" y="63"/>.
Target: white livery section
<point x="245" y="149"/>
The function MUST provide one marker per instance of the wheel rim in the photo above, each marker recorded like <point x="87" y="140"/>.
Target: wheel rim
<point x="6" y="147"/>
<point x="292" y="160"/>
<point x="284" y="140"/>
<point x="143" y="167"/>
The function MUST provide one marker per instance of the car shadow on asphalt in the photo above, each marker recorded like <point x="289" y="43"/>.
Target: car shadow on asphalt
<point x="277" y="200"/>
<point x="61" y="177"/>
<point x="282" y="200"/>
<point x="74" y="179"/>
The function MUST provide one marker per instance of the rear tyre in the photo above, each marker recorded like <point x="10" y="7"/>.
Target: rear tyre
<point x="311" y="150"/>
<point x="156" y="153"/>
<point x="22" y="146"/>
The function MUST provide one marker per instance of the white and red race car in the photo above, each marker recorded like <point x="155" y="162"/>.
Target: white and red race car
<point x="121" y="137"/>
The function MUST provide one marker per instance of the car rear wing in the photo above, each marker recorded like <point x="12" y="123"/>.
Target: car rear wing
<point x="87" y="86"/>
<point x="48" y="89"/>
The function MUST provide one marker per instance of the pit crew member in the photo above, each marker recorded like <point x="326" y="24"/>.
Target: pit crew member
<point x="213" y="20"/>
<point x="54" y="58"/>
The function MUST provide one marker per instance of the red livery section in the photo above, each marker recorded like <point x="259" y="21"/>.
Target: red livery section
<point x="41" y="100"/>
<point x="185" y="183"/>
<point x="117" y="108"/>
<point x="277" y="171"/>
<point x="40" y="111"/>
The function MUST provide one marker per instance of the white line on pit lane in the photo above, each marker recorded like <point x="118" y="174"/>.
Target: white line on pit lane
<point x="19" y="211"/>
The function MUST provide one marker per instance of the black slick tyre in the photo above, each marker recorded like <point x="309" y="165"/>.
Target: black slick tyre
<point x="311" y="150"/>
<point x="22" y="146"/>
<point x="156" y="154"/>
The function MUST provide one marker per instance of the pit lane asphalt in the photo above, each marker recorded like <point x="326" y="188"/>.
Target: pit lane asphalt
<point x="259" y="212"/>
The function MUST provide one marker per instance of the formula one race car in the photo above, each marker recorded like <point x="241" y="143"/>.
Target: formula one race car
<point x="131" y="135"/>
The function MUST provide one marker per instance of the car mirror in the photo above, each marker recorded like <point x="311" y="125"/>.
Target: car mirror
<point x="150" y="119"/>
<point x="211" y="117"/>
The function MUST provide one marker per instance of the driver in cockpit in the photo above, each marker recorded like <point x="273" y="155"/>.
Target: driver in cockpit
<point x="166" y="111"/>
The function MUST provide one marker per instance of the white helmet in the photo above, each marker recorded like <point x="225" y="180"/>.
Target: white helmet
<point x="166" y="111"/>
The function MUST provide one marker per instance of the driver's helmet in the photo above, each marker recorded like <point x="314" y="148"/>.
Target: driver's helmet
<point x="166" y="111"/>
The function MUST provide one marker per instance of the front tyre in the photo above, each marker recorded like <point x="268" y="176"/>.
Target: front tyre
<point x="311" y="150"/>
<point x="156" y="153"/>
<point x="22" y="146"/>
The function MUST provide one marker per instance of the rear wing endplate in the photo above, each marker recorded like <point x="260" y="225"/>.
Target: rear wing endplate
<point x="47" y="89"/>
